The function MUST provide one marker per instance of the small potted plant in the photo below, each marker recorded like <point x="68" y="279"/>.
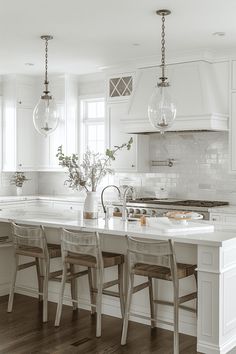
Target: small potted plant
<point x="18" y="179"/>
<point x="88" y="174"/>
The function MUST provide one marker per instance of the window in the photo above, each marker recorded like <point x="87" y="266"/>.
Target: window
<point x="93" y="124"/>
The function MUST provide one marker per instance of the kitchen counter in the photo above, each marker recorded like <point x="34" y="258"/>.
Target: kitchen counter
<point x="22" y="198"/>
<point x="115" y="226"/>
<point x="214" y="253"/>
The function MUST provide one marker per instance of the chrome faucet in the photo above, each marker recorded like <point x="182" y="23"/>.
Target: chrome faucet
<point x="102" y="200"/>
<point x="124" y="212"/>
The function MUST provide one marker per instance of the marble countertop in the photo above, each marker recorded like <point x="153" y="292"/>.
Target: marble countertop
<point x="230" y="209"/>
<point x="55" y="218"/>
<point x="63" y="198"/>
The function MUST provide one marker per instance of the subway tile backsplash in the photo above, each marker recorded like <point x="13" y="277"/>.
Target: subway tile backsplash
<point x="200" y="170"/>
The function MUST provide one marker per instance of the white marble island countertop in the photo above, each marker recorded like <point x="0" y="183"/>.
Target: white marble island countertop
<point x="115" y="226"/>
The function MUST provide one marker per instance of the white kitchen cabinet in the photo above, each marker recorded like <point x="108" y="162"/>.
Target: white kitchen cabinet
<point x="232" y="131"/>
<point x="19" y="135"/>
<point x="137" y="158"/>
<point x="69" y="206"/>
<point x="64" y="90"/>
<point x="227" y="219"/>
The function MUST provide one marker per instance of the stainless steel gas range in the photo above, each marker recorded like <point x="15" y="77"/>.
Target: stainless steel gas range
<point x="158" y="207"/>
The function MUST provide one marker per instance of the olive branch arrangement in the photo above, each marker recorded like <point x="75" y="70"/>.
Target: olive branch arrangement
<point x="93" y="168"/>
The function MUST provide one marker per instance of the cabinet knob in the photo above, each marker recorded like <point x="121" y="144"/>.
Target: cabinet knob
<point x="132" y="165"/>
<point x="20" y="102"/>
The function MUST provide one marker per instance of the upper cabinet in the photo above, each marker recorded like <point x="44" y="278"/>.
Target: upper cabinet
<point x="119" y="92"/>
<point x="64" y="90"/>
<point x="19" y="135"/>
<point x="137" y="158"/>
<point x="199" y="90"/>
<point x="232" y="135"/>
<point x="23" y="147"/>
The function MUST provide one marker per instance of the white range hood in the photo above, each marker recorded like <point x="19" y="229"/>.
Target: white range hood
<point x="199" y="89"/>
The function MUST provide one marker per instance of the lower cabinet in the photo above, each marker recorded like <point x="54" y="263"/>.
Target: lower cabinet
<point x="137" y="158"/>
<point x="224" y="218"/>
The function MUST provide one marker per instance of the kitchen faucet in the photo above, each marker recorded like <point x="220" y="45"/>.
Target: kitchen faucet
<point x="102" y="200"/>
<point x="124" y="212"/>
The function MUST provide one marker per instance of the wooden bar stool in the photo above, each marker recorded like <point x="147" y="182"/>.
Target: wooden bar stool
<point x="83" y="249"/>
<point x="156" y="259"/>
<point x="30" y="241"/>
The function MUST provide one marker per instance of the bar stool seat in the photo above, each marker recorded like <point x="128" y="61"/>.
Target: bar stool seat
<point x="160" y="272"/>
<point x="54" y="251"/>
<point x="109" y="259"/>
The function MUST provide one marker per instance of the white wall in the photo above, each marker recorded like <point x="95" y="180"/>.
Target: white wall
<point x="29" y="188"/>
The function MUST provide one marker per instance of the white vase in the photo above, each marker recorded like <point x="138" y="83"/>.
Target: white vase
<point x="91" y="206"/>
<point x="18" y="191"/>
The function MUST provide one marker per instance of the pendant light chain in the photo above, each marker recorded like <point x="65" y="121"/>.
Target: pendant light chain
<point x="46" y="61"/>
<point x="163" y="54"/>
<point x="46" y="38"/>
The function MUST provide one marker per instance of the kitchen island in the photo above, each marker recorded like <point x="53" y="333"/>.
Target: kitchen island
<point x="214" y="253"/>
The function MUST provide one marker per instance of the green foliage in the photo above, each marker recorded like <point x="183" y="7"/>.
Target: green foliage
<point x="94" y="166"/>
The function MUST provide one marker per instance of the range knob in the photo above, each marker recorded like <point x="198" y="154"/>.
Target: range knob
<point x="131" y="210"/>
<point x="143" y="211"/>
<point x="137" y="211"/>
<point x="153" y="212"/>
<point x="116" y="210"/>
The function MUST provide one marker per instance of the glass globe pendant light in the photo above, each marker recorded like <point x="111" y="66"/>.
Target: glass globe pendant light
<point x="161" y="109"/>
<point x="45" y="115"/>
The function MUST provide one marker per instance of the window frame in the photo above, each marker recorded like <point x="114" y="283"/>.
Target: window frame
<point x="85" y="121"/>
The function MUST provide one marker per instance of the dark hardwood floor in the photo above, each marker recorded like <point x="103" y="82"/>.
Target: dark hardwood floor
<point x="22" y="332"/>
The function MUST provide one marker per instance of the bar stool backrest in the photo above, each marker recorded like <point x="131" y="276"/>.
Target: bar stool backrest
<point x="29" y="237"/>
<point x="81" y="242"/>
<point x="159" y="253"/>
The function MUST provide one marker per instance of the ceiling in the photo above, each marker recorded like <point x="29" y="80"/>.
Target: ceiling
<point x="90" y="34"/>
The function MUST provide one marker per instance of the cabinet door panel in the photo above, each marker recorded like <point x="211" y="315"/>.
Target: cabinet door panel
<point x="57" y="138"/>
<point x="233" y="132"/>
<point x="125" y="160"/>
<point x="26" y="134"/>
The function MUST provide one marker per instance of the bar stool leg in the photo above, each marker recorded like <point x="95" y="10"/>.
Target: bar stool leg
<point x="12" y="290"/>
<point x="45" y="290"/>
<point x="152" y="311"/>
<point x="121" y="288"/>
<point x="73" y="283"/>
<point x="176" y="320"/>
<point x="91" y="291"/>
<point x="99" y="302"/>
<point x="196" y="279"/>
<point x="40" y="285"/>
<point x="61" y="295"/>
<point x="127" y="310"/>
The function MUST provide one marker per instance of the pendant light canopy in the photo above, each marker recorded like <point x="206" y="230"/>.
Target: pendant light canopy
<point x="45" y="115"/>
<point x="161" y="109"/>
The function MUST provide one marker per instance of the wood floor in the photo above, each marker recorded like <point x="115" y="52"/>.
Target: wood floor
<point x="22" y="332"/>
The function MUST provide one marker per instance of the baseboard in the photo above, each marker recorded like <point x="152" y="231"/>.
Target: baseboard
<point x="203" y="347"/>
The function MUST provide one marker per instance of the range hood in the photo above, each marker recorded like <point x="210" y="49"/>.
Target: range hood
<point x="199" y="89"/>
